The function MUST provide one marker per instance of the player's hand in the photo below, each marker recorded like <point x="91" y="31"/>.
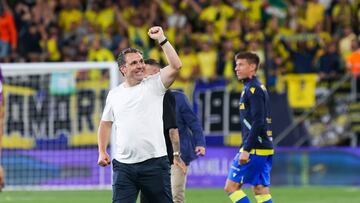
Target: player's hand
<point x="2" y="178"/>
<point x="180" y="163"/>
<point x="200" y="151"/>
<point x="244" y="158"/>
<point x="104" y="159"/>
<point x="156" y="33"/>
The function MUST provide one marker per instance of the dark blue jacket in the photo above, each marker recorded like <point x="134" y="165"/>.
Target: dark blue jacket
<point x="255" y="116"/>
<point x="190" y="130"/>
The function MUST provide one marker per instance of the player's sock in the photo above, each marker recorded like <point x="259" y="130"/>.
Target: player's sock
<point x="239" y="196"/>
<point x="263" y="198"/>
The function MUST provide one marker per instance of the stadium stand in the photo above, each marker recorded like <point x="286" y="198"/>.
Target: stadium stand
<point x="305" y="46"/>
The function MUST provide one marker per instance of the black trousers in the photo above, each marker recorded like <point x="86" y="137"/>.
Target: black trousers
<point x="152" y="177"/>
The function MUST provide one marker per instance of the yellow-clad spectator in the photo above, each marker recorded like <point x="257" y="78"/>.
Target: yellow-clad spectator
<point x="218" y="13"/>
<point x="138" y="26"/>
<point x="209" y="35"/>
<point x="345" y="42"/>
<point x="256" y="47"/>
<point x="188" y="72"/>
<point x="51" y="44"/>
<point x="225" y="65"/>
<point x="283" y="32"/>
<point x="71" y="14"/>
<point x="323" y="34"/>
<point x="102" y="15"/>
<point x="256" y="33"/>
<point x="157" y="54"/>
<point x="166" y="7"/>
<point x="207" y="61"/>
<point x="137" y="33"/>
<point x="252" y="9"/>
<point x="325" y="39"/>
<point x="106" y="16"/>
<point x="92" y="12"/>
<point x="272" y="28"/>
<point x="315" y="12"/>
<point x="233" y="32"/>
<point x="98" y="53"/>
<point x="342" y="14"/>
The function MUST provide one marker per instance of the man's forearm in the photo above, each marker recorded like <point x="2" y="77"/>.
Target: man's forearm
<point x="171" y="55"/>
<point x="103" y="135"/>
<point x="175" y="140"/>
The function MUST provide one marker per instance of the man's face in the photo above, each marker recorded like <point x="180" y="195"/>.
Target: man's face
<point x="151" y="69"/>
<point x="243" y="69"/>
<point x="134" y="68"/>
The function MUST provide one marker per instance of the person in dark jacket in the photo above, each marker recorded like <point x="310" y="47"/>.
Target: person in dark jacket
<point x="188" y="127"/>
<point x="192" y="143"/>
<point x="171" y="132"/>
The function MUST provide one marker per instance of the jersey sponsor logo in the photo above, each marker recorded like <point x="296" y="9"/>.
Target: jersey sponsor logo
<point x="269" y="133"/>
<point x="252" y="90"/>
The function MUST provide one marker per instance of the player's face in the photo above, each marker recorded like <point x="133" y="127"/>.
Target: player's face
<point x="243" y="69"/>
<point x="151" y="70"/>
<point x="134" y="67"/>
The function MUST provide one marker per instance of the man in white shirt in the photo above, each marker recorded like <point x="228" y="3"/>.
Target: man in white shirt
<point x="135" y="108"/>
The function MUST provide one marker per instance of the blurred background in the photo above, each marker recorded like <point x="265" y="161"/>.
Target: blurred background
<point x="58" y="61"/>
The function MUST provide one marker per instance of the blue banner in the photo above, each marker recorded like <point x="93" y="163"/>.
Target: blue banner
<point x="298" y="167"/>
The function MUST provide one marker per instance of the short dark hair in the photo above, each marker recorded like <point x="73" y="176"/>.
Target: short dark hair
<point x="152" y="62"/>
<point x="251" y="58"/>
<point x="121" y="58"/>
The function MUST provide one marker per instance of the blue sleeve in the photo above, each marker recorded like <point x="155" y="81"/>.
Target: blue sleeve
<point x="191" y="121"/>
<point x="257" y="111"/>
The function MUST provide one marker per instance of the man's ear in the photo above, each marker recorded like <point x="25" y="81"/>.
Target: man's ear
<point x="253" y="67"/>
<point x="122" y="69"/>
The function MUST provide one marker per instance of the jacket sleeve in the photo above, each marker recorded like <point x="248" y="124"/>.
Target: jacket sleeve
<point x="191" y="121"/>
<point x="169" y="113"/>
<point x="257" y="111"/>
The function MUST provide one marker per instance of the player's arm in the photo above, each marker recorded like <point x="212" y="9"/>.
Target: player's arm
<point x="193" y="122"/>
<point x="175" y="142"/>
<point x="169" y="73"/>
<point x="257" y="111"/>
<point x="103" y="140"/>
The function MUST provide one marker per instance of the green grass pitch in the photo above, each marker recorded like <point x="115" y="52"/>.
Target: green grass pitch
<point x="280" y="195"/>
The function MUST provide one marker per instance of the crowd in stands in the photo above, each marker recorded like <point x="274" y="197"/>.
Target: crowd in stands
<point x="291" y="36"/>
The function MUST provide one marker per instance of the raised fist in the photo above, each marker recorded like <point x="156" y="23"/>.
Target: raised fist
<point x="156" y="33"/>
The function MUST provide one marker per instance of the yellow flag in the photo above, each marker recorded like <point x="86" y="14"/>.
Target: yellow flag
<point x="301" y="90"/>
